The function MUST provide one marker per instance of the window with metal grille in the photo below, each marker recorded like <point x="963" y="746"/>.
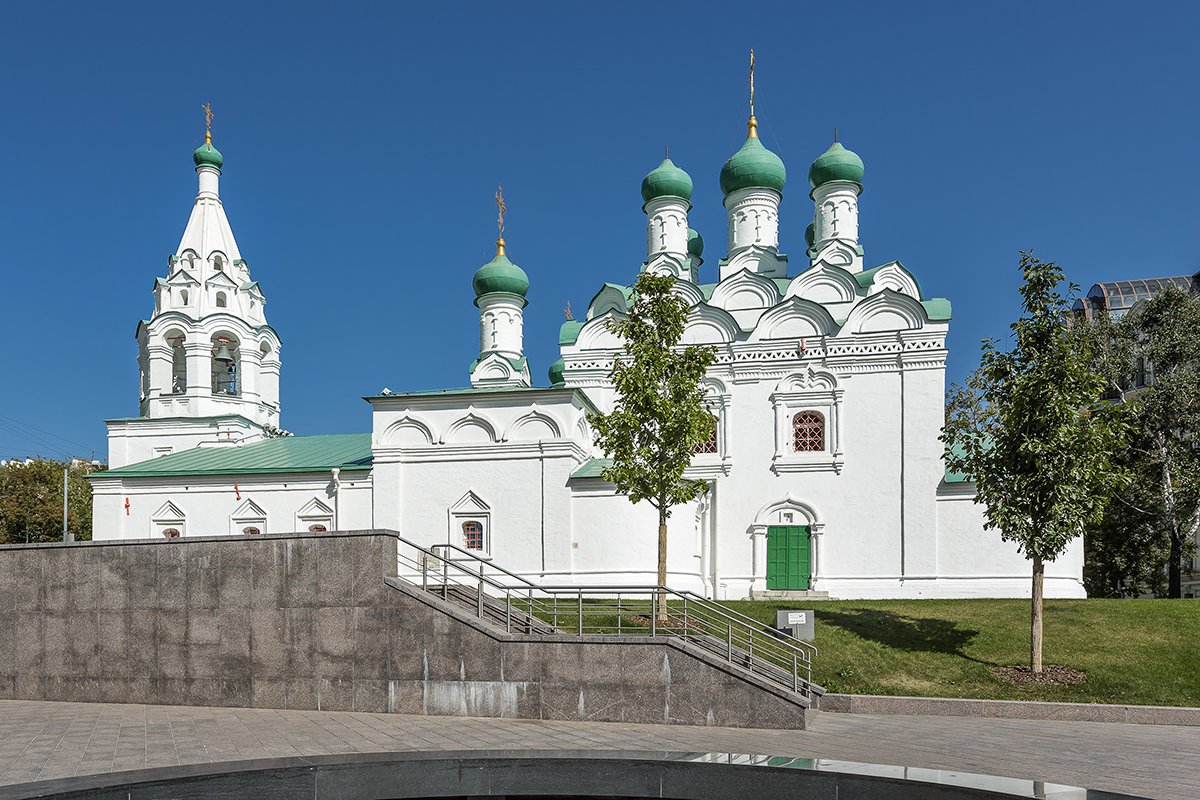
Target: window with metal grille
<point x="808" y="432"/>
<point x="171" y="533"/>
<point x="251" y="531"/>
<point x="708" y="445"/>
<point x="318" y="528"/>
<point x="473" y="535"/>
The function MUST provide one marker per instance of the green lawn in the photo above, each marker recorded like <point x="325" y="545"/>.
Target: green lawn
<point x="1133" y="651"/>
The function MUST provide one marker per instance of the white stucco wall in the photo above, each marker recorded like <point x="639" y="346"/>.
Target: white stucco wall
<point x="210" y="503"/>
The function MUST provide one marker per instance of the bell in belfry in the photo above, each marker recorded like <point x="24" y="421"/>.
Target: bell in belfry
<point x="223" y="355"/>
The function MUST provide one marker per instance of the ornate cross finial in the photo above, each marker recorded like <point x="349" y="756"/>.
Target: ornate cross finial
<point x="835" y="135"/>
<point x="500" y="219"/>
<point x="208" y="118"/>
<point x="752" y="81"/>
<point x="503" y="208"/>
<point x="568" y="310"/>
<point x="666" y="151"/>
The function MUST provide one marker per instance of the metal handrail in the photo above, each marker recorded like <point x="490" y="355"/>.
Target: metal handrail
<point x="483" y="562"/>
<point x="733" y="636"/>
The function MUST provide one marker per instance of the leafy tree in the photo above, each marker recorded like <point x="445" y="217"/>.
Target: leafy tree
<point x="660" y="414"/>
<point x="1030" y="430"/>
<point x="1161" y="503"/>
<point x="31" y="500"/>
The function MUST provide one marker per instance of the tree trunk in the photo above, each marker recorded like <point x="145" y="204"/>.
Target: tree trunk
<point x="1035" y="623"/>
<point x="1174" y="579"/>
<point x="662" y="561"/>
<point x="1174" y="567"/>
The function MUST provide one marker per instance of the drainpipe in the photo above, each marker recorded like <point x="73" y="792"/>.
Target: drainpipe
<point x="337" y="485"/>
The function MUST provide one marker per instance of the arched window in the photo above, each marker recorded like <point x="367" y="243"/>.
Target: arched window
<point x="171" y="533"/>
<point x="708" y="445"/>
<point x="251" y="531"/>
<point x="221" y="300"/>
<point x="218" y="265"/>
<point x="473" y="535"/>
<point x="318" y="528"/>
<point x="183" y="295"/>
<point x="808" y="432"/>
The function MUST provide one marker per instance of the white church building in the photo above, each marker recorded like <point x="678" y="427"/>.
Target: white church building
<point x="825" y="471"/>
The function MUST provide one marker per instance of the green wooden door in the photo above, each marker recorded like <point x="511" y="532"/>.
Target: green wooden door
<point x="789" y="557"/>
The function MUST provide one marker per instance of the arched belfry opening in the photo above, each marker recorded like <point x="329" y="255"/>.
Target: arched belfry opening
<point x="226" y="357"/>
<point x="176" y="340"/>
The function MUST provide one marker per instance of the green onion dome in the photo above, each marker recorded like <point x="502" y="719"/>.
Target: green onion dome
<point x="753" y="166"/>
<point x="810" y="234"/>
<point x="556" y="373"/>
<point x="666" y="180"/>
<point x="695" y="245"/>
<point x="207" y="156"/>
<point x="836" y="164"/>
<point x="500" y="275"/>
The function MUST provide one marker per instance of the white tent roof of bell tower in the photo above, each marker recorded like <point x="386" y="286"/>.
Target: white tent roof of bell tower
<point x="208" y="230"/>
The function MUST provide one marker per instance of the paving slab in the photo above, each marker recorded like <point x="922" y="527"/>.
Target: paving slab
<point x="40" y="740"/>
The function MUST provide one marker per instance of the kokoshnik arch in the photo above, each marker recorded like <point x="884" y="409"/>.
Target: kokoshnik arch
<point x="825" y="470"/>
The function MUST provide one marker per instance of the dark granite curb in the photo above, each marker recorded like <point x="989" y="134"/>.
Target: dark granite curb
<point x="583" y="774"/>
<point x="1010" y="709"/>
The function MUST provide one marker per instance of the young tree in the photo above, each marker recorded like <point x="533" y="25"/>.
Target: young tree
<point x="1030" y="429"/>
<point x="31" y="500"/>
<point x="660" y="414"/>
<point x="1164" y="336"/>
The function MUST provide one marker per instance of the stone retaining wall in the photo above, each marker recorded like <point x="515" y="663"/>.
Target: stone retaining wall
<point x="308" y="621"/>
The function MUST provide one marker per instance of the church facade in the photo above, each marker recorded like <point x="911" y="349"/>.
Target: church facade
<point x="824" y="470"/>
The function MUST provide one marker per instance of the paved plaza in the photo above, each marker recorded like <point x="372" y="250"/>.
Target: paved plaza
<point x="40" y="740"/>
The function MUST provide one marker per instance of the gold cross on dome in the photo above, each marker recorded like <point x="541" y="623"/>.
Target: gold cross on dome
<point x="568" y="310"/>
<point x="208" y="116"/>
<point x="752" y="81"/>
<point x="503" y="208"/>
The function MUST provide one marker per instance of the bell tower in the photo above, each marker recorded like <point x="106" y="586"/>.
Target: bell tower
<point x="208" y="362"/>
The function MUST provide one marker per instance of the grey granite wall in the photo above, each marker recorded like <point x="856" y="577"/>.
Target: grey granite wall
<point x="318" y="621"/>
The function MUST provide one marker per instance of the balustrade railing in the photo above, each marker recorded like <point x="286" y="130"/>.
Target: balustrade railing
<point x="520" y="605"/>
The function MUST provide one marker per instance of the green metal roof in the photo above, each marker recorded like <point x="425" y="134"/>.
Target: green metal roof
<point x="937" y="309"/>
<point x="287" y="454"/>
<point x="569" y="332"/>
<point x="592" y="468"/>
<point x="957" y="477"/>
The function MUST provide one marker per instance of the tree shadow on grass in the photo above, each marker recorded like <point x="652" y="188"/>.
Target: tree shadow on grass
<point x="914" y="634"/>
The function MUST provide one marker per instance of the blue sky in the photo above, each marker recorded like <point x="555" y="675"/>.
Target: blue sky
<point x="363" y="143"/>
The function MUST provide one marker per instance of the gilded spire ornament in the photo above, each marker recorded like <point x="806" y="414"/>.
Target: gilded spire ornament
<point x="208" y="118"/>
<point x="500" y="219"/>
<point x="753" y="123"/>
<point x="568" y="311"/>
